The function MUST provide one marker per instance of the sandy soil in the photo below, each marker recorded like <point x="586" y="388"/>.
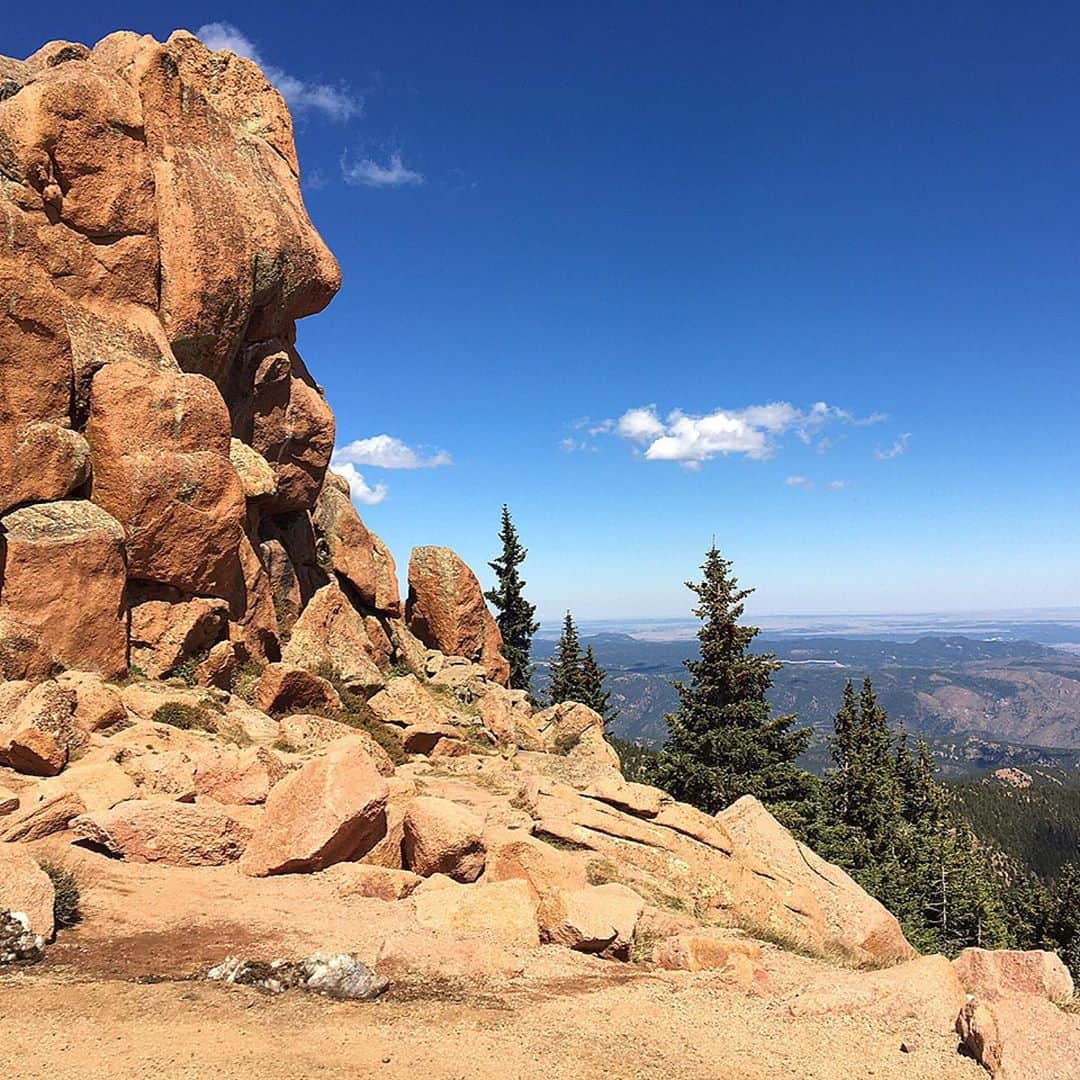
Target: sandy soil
<point x="56" y="1026"/>
<point x="122" y="996"/>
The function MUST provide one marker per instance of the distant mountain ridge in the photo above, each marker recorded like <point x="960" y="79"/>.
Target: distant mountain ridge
<point x="983" y="702"/>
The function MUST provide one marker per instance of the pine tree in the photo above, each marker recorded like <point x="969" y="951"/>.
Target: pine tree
<point x="894" y="830"/>
<point x="1064" y="920"/>
<point x="592" y="682"/>
<point x="516" y="616"/>
<point x="722" y="741"/>
<point x="567" y="682"/>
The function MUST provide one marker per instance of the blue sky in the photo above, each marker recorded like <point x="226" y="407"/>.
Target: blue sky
<point x="800" y="276"/>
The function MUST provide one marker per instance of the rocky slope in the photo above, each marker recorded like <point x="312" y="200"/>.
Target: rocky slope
<point x="219" y="716"/>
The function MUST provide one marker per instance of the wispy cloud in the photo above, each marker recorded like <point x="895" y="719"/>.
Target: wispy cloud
<point x="370" y="173"/>
<point x="570" y="445"/>
<point x="873" y="418"/>
<point x="754" y="432"/>
<point x="386" y="452"/>
<point x="899" y="447"/>
<point x="333" y="102"/>
<point x="838" y="485"/>
<point x="799" y="481"/>
<point x="362" y="492"/>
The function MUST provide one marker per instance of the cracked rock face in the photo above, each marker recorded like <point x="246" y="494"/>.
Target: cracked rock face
<point x="155" y="254"/>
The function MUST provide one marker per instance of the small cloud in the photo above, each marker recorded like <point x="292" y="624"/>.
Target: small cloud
<point x="894" y="451"/>
<point x="369" y="173"/>
<point x="336" y="103"/>
<point x="386" y="452"/>
<point x="871" y="420"/>
<point x="799" y="482"/>
<point x="640" y="425"/>
<point x="838" y="485"/>
<point x="572" y="446"/>
<point x="361" y="491"/>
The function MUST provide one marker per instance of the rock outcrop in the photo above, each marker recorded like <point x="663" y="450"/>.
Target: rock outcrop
<point x="163" y="446"/>
<point x="446" y="611"/>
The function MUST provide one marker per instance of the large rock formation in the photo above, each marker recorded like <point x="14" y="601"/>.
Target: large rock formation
<point x="161" y="439"/>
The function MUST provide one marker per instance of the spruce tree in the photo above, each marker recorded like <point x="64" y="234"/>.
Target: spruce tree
<point x="894" y="830"/>
<point x="567" y="682"/>
<point x="516" y="616"/>
<point x="592" y="683"/>
<point x="723" y="741"/>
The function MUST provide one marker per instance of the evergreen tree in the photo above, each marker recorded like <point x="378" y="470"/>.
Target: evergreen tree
<point x="592" y="682"/>
<point x="1064" y="920"/>
<point x="516" y="616"/>
<point x="567" y="681"/>
<point x="722" y="741"/>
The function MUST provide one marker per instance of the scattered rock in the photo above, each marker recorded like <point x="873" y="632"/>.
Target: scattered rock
<point x="284" y="689"/>
<point x="335" y="975"/>
<point x="164" y="635"/>
<point x="597" y="919"/>
<point x="353" y="551"/>
<point x="993" y="973"/>
<point x="1021" y="1037"/>
<point x="64" y="578"/>
<point x="42" y="732"/>
<point x="331" y="634"/>
<point x="331" y="809"/>
<point x="502" y="911"/>
<point x="18" y="943"/>
<point x="575" y="730"/>
<point x="177" y="834"/>
<point x="446" y="611"/>
<point x="239" y="777"/>
<point x="372" y="882"/>
<point x="441" y="837"/>
<point x="36" y="820"/>
<point x="26" y="888"/>
<point x="925" y="990"/>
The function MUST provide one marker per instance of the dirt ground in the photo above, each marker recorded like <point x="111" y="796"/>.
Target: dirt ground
<point x="57" y="1026"/>
<point x="122" y="995"/>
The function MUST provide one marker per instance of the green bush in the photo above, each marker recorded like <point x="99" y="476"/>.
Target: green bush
<point x="178" y="714"/>
<point x="66" y="900"/>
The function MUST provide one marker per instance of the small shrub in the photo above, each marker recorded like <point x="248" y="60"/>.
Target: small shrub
<point x="565" y="743"/>
<point x="66" y="901"/>
<point x="246" y="679"/>
<point x="601" y="872"/>
<point x="186" y="669"/>
<point x="178" y="714"/>
<point x="382" y="733"/>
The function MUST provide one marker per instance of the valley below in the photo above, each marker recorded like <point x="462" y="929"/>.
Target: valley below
<point x="982" y="703"/>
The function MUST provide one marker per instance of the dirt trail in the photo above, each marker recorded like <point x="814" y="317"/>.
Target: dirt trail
<point x="56" y="1026"/>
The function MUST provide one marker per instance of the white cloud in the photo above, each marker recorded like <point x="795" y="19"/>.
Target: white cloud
<point x="838" y="485"/>
<point x="386" y="452"/>
<point x="873" y="418"/>
<point x="640" y="425"/>
<point x="894" y="451"/>
<point x="369" y="173"/>
<point x="799" y="481"/>
<point x="361" y="491"/>
<point x="570" y="446"/>
<point x="753" y="431"/>
<point x="336" y="103"/>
